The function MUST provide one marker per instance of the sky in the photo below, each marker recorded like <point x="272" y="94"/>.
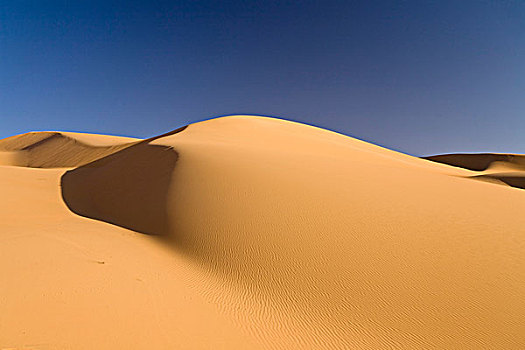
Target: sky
<point x="421" y="77"/>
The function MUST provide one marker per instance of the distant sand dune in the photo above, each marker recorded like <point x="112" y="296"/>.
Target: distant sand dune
<point x="480" y="161"/>
<point x="288" y="236"/>
<point x="506" y="169"/>
<point x="58" y="149"/>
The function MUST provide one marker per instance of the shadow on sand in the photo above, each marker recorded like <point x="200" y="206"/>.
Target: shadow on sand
<point x="128" y="188"/>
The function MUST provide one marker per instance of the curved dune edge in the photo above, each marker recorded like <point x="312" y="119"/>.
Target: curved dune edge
<point x="504" y="169"/>
<point x="480" y="161"/>
<point x="49" y="149"/>
<point x="128" y="188"/>
<point x="318" y="240"/>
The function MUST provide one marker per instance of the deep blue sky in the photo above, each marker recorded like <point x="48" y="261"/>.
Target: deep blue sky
<point x="422" y="77"/>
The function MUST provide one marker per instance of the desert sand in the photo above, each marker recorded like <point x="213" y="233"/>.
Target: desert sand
<point x="249" y="232"/>
<point x="505" y="169"/>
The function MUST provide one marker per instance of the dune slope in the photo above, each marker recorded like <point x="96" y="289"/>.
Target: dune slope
<point x="67" y="282"/>
<point x="311" y="239"/>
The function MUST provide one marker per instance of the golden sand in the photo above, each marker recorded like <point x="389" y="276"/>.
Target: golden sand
<point x="250" y="232"/>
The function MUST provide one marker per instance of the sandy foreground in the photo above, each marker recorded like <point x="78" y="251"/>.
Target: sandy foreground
<point x="256" y="233"/>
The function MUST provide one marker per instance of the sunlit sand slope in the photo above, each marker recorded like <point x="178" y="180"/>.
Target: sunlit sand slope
<point x="506" y="169"/>
<point x="49" y="149"/>
<point x="311" y="239"/>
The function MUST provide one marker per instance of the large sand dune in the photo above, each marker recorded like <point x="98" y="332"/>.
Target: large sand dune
<point x="250" y="232"/>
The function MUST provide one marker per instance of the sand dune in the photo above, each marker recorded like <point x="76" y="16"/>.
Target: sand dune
<point x="505" y="169"/>
<point x="252" y="232"/>
<point x="481" y="161"/>
<point x="58" y="149"/>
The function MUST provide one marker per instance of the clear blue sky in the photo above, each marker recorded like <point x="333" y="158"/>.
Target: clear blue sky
<point x="422" y="77"/>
